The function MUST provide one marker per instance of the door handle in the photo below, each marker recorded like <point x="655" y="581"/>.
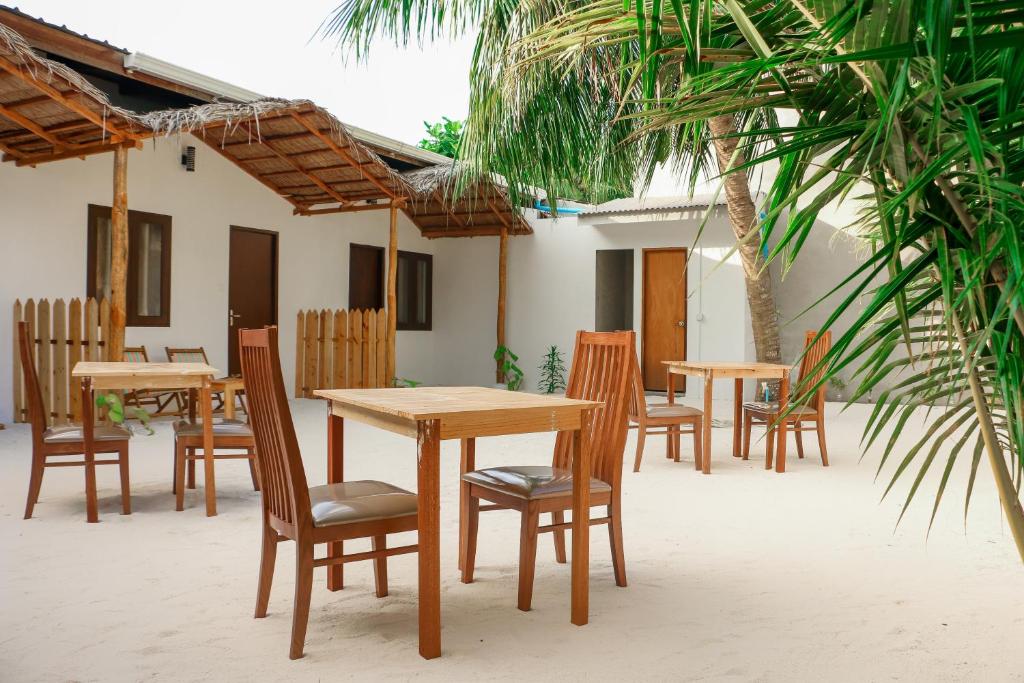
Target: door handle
<point x="231" y="317"/>
<point x="681" y="323"/>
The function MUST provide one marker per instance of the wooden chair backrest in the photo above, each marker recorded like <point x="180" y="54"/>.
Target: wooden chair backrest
<point x="637" y="401"/>
<point x="602" y="370"/>
<point x="33" y="394"/>
<point x="187" y="355"/>
<point x="814" y="351"/>
<point x="283" y="485"/>
<point x="136" y="354"/>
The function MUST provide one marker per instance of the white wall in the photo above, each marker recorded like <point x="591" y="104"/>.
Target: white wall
<point x="43" y="230"/>
<point x="552" y="284"/>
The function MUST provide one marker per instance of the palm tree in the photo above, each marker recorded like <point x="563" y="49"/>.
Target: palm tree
<point x="913" y="110"/>
<point x="558" y="127"/>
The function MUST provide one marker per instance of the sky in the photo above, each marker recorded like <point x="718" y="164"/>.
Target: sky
<point x="272" y="48"/>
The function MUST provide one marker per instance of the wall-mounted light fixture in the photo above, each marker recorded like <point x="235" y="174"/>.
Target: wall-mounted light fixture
<point x="188" y="159"/>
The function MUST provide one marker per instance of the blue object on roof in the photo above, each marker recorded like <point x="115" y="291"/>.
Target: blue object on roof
<point x="570" y="211"/>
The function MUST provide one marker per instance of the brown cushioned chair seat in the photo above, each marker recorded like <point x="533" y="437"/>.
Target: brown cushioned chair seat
<point x="762" y="407"/>
<point x="220" y="428"/>
<point x="359" y="501"/>
<point x="529" y="481"/>
<point x="674" y="410"/>
<point x="73" y="433"/>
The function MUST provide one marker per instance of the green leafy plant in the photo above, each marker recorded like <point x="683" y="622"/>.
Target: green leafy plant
<point x="403" y="383"/>
<point x="512" y="373"/>
<point x="552" y="371"/>
<point x="443" y="137"/>
<point x="116" y="413"/>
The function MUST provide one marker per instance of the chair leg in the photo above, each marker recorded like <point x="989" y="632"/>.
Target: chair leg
<point x="615" y="539"/>
<point x="191" y="463"/>
<point x="527" y="554"/>
<point x="126" y="491"/>
<point x="267" y="561"/>
<point x="559" y="536"/>
<point x="698" y="444"/>
<point x="748" y="424"/>
<point x="770" y="438"/>
<point x="35" y="483"/>
<point x="179" y="476"/>
<point x="819" y="427"/>
<point x="252" y="471"/>
<point x="380" y="567"/>
<point x="472" y="524"/>
<point x="676" y="438"/>
<point x="303" y="593"/>
<point x="797" y="427"/>
<point x="641" y="437"/>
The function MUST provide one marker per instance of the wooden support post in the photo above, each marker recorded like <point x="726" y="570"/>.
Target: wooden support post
<point x="499" y="376"/>
<point x="118" y="256"/>
<point x="392" y="295"/>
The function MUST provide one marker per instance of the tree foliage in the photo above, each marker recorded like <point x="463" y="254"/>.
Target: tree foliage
<point x="443" y="137"/>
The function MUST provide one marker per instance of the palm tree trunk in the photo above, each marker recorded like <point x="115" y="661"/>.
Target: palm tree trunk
<point x="743" y="216"/>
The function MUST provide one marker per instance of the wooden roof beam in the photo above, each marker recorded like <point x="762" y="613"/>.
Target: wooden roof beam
<point x="236" y="162"/>
<point x="350" y="208"/>
<point x="77" y="152"/>
<point x="32" y="126"/>
<point x="492" y="231"/>
<point x="55" y="94"/>
<point x="272" y="138"/>
<point x="343" y="154"/>
<point x="316" y="181"/>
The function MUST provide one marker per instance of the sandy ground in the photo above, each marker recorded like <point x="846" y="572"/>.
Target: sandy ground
<point x="743" y="575"/>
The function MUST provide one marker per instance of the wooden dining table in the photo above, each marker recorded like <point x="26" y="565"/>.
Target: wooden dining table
<point x="738" y="371"/>
<point x="433" y="414"/>
<point x="117" y="376"/>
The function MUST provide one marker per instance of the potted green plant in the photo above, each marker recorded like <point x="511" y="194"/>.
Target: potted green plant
<point x="116" y="413"/>
<point x="512" y="373"/>
<point x="552" y="371"/>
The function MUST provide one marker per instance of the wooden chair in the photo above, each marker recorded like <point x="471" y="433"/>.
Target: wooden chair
<point x="67" y="439"/>
<point x="601" y="371"/>
<point x="669" y="419"/>
<point x="228" y="435"/>
<point x="141" y="398"/>
<point x="808" y="415"/>
<point x="309" y="515"/>
<point x="196" y="354"/>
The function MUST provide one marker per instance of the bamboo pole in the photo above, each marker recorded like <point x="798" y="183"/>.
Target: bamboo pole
<point x="392" y="295"/>
<point x="502" y="291"/>
<point x="118" y="256"/>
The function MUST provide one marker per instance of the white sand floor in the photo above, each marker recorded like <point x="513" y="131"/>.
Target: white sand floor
<point x="743" y="575"/>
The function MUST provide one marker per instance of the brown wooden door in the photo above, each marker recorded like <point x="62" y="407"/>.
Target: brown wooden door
<point x="252" y="285"/>
<point x="664" y="315"/>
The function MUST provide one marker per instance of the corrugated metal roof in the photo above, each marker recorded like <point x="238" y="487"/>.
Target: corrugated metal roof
<point x="62" y="27"/>
<point x="652" y="204"/>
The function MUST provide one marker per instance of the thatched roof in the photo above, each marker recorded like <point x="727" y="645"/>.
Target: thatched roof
<point x="441" y="208"/>
<point x="49" y="111"/>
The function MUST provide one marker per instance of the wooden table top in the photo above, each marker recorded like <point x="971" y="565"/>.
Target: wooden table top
<point x="130" y="369"/>
<point x="462" y="411"/>
<point x="726" y="368"/>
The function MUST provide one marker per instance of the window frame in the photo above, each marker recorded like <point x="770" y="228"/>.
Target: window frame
<point x="409" y="289"/>
<point x="135" y="219"/>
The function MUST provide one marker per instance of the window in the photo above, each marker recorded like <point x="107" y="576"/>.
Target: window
<point x="415" y="290"/>
<point x="365" y="277"/>
<point x="149" y="265"/>
<point x="614" y="290"/>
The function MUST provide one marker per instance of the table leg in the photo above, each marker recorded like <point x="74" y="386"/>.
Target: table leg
<point x="335" y="475"/>
<point x="580" y="604"/>
<point x="737" y="417"/>
<point x="467" y="463"/>
<point x="705" y="464"/>
<point x="428" y="441"/>
<point x="88" y="436"/>
<point x="229" y="401"/>
<point x="206" y="405"/>
<point x="780" y="457"/>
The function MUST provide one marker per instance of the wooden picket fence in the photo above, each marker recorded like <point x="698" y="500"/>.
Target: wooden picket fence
<point x="342" y="349"/>
<point x="63" y="334"/>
